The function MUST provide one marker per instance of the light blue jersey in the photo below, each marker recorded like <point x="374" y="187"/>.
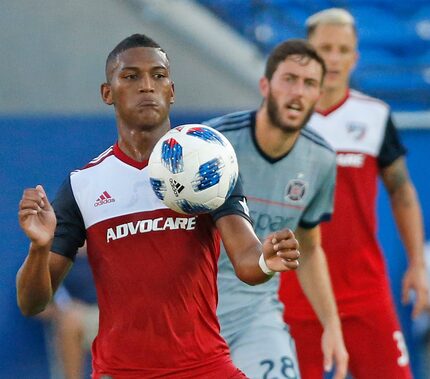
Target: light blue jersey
<point x="294" y="190"/>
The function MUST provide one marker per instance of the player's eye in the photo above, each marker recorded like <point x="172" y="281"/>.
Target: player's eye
<point x="325" y="48"/>
<point x="345" y="50"/>
<point x="290" y="79"/>
<point x="311" y="83"/>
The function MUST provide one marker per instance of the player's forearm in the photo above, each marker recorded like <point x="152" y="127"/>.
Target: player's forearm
<point x="247" y="268"/>
<point x="33" y="282"/>
<point x="409" y="221"/>
<point x="243" y="248"/>
<point x="315" y="281"/>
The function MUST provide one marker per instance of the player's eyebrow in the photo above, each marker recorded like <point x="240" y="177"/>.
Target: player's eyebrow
<point x="138" y="68"/>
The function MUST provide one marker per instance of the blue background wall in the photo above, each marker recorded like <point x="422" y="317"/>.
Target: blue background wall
<point x="43" y="150"/>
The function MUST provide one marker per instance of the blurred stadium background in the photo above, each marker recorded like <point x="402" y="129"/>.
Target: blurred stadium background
<point x="52" y="119"/>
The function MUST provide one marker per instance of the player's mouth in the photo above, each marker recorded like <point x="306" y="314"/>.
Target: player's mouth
<point x="147" y="104"/>
<point x="332" y="73"/>
<point x="294" y="109"/>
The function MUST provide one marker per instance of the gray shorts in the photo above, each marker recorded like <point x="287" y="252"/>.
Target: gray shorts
<point x="265" y="348"/>
<point x="90" y="323"/>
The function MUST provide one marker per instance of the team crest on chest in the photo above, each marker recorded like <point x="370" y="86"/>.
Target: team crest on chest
<point x="357" y="130"/>
<point x="295" y="190"/>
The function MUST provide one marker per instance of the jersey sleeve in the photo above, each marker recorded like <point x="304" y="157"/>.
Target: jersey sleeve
<point x="235" y="204"/>
<point x="391" y="147"/>
<point x="321" y="207"/>
<point x="70" y="232"/>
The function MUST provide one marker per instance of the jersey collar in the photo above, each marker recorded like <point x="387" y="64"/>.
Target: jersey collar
<point x="127" y="160"/>
<point x="327" y="111"/>
<point x="258" y="148"/>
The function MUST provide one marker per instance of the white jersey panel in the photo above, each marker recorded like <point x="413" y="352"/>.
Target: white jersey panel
<point x="363" y="120"/>
<point x="100" y="199"/>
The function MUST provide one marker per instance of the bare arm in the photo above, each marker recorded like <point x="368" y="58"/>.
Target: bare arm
<point x="38" y="279"/>
<point x="42" y="271"/>
<point x="244" y="249"/>
<point x="314" y="279"/>
<point x="408" y="217"/>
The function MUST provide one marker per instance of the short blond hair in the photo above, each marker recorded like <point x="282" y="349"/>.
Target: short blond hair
<point x="331" y="16"/>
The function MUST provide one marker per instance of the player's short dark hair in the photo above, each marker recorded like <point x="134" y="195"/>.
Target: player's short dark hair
<point x="297" y="46"/>
<point x="135" y="40"/>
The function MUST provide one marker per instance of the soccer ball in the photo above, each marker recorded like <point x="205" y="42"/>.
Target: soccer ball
<point x="193" y="169"/>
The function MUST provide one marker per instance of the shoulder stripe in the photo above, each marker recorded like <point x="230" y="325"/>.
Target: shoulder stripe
<point x="103" y="155"/>
<point x="234" y="126"/>
<point x="97" y="160"/>
<point x="230" y="121"/>
<point x="314" y="134"/>
<point x="316" y="138"/>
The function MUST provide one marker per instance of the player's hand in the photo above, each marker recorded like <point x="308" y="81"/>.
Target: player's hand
<point x="415" y="279"/>
<point x="36" y="216"/>
<point x="281" y="251"/>
<point x="334" y="352"/>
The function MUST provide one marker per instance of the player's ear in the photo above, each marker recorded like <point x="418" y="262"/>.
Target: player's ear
<point x="264" y="86"/>
<point x="172" y="94"/>
<point x="106" y="93"/>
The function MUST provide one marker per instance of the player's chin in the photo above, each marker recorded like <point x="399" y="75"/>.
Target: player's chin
<point x="150" y="119"/>
<point x="333" y="84"/>
<point x="148" y="113"/>
<point x="293" y="125"/>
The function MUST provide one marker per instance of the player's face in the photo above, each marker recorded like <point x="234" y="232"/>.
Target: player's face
<point x="140" y="87"/>
<point x="291" y="94"/>
<point x="337" y="45"/>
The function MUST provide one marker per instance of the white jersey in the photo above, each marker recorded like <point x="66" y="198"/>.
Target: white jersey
<point x="293" y="190"/>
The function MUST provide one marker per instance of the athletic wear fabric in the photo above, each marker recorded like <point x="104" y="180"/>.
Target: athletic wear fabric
<point x="361" y="131"/>
<point x="375" y="344"/>
<point x="155" y="272"/>
<point x="293" y="190"/>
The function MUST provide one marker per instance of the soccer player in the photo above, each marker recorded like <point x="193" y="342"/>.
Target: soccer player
<point x="361" y="130"/>
<point x="288" y="174"/>
<point x="154" y="269"/>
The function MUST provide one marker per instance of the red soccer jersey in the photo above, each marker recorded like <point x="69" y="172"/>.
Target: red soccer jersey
<point x="361" y="131"/>
<point x="155" y="272"/>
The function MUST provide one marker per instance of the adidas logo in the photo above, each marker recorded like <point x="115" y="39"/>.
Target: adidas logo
<point x="176" y="187"/>
<point x="104" y="198"/>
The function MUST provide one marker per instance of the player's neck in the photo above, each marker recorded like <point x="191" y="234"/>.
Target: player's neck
<point x="273" y="141"/>
<point x="330" y="98"/>
<point x="138" y="143"/>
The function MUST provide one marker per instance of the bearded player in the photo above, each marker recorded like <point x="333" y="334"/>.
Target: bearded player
<point x="288" y="174"/>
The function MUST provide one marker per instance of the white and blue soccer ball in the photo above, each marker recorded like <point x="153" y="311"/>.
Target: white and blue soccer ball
<point x="193" y="169"/>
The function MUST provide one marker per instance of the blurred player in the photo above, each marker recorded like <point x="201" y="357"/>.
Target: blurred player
<point x="421" y="327"/>
<point x="73" y="322"/>
<point x="154" y="269"/>
<point x="77" y="319"/>
<point x="361" y="130"/>
<point x="288" y="174"/>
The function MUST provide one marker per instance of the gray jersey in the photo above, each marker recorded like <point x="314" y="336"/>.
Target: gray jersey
<point x="291" y="191"/>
